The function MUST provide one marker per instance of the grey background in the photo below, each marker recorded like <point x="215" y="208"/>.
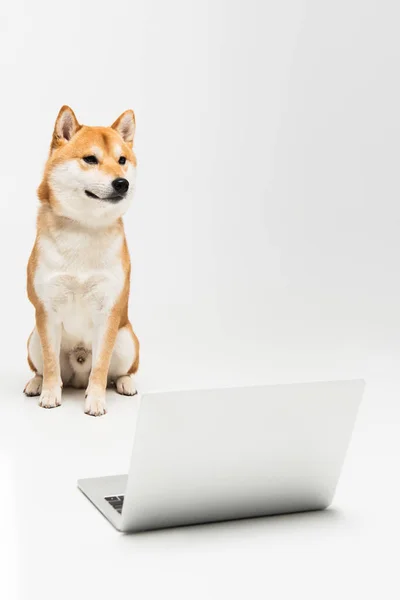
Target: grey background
<point x="264" y="234"/>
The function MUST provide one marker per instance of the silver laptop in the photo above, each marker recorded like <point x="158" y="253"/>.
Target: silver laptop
<point x="201" y="456"/>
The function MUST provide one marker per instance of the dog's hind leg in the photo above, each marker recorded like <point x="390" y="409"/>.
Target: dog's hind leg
<point x="35" y="361"/>
<point x="125" y="361"/>
<point x="34" y="386"/>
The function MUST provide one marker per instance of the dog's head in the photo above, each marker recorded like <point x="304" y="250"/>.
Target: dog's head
<point x="91" y="171"/>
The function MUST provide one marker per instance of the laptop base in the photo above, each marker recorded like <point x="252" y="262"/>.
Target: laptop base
<point x="97" y="489"/>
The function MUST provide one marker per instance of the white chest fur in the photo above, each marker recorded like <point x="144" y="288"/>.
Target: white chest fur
<point x="79" y="278"/>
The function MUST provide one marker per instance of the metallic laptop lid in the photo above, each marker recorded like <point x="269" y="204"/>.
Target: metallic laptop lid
<point x="210" y="455"/>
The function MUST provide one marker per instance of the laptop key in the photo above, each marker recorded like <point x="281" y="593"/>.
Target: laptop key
<point x="115" y="502"/>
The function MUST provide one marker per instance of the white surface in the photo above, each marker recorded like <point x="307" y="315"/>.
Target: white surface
<point x="66" y="548"/>
<point x="265" y="245"/>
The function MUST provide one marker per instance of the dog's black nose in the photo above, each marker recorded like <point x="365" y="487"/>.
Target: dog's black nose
<point x="120" y="185"/>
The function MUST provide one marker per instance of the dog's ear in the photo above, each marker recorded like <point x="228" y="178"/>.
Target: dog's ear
<point x="65" y="128"/>
<point x="125" y="125"/>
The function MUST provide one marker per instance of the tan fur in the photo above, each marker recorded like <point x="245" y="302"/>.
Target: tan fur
<point x="30" y="363"/>
<point x="70" y="143"/>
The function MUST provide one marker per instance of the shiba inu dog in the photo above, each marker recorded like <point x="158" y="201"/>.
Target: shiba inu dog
<point x="79" y="269"/>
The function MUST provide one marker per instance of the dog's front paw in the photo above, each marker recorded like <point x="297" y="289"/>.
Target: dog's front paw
<point x="95" y="403"/>
<point x="50" y="397"/>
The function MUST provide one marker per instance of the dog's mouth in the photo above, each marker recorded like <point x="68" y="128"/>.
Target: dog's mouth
<point x="113" y="198"/>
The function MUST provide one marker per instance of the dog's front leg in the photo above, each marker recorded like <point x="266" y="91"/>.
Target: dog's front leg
<point x="49" y="330"/>
<point x="104" y="336"/>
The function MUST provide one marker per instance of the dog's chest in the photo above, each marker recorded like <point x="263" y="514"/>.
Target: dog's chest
<point x="78" y="278"/>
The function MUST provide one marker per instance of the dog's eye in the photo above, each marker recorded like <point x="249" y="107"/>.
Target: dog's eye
<point x="90" y="160"/>
<point x="122" y="160"/>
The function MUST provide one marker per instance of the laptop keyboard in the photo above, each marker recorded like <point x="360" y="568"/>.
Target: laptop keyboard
<point x="116" y="502"/>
